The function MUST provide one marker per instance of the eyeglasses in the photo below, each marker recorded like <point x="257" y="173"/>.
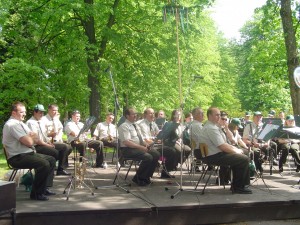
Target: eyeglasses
<point x="224" y="119"/>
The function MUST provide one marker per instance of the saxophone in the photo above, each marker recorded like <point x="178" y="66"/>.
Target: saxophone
<point x="80" y="170"/>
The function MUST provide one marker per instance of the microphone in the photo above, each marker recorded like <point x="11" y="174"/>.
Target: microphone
<point x="198" y="77"/>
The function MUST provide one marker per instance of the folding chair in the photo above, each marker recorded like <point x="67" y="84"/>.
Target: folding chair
<point x="14" y="169"/>
<point x="134" y="162"/>
<point x="214" y="168"/>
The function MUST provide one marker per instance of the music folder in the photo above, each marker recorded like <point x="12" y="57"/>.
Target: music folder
<point x="270" y="129"/>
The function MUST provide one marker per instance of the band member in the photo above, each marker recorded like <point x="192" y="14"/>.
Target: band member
<point x="133" y="146"/>
<point x="223" y="154"/>
<point x="149" y="130"/>
<point x="287" y="145"/>
<point x="108" y="134"/>
<point x="175" y="139"/>
<point x="195" y="130"/>
<point x="72" y="130"/>
<point x="250" y="137"/>
<point x="55" y="131"/>
<point x="19" y="142"/>
<point x="106" y="131"/>
<point x="44" y="145"/>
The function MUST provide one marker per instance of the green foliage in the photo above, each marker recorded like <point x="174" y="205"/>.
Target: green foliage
<point x="263" y="80"/>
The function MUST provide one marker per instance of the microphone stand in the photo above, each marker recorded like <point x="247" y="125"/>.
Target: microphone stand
<point x="182" y="150"/>
<point x="117" y="107"/>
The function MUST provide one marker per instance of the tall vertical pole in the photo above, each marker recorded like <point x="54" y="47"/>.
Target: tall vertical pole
<point x="178" y="56"/>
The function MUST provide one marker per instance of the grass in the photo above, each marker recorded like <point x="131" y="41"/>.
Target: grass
<point x="3" y="165"/>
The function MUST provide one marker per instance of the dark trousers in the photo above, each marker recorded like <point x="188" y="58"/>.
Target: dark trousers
<point x="182" y="151"/>
<point x="97" y="145"/>
<point x="149" y="160"/>
<point x="238" y="163"/>
<point x="285" y="149"/>
<point x="170" y="157"/>
<point x="64" y="151"/>
<point x="113" y="144"/>
<point x="42" y="164"/>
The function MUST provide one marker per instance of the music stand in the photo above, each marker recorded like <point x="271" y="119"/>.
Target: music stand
<point x="122" y="120"/>
<point x="87" y="125"/>
<point x="160" y="122"/>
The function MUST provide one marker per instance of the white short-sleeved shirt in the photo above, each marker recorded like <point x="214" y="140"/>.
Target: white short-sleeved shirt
<point x="13" y="130"/>
<point x="53" y="124"/>
<point x="251" y="131"/>
<point x="39" y="128"/>
<point x="195" y="130"/>
<point x="213" y="136"/>
<point x="71" y="126"/>
<point x="127" y="132"/>
<point x="145" y="129"/>
<point x="103" y="130"/>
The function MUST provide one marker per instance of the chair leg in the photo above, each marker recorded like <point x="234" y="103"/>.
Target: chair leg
<point x="13" y="175"/>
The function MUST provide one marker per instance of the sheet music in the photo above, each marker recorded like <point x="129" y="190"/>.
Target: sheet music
<point x="295" y="130"/>
<point x="267" y="130"/>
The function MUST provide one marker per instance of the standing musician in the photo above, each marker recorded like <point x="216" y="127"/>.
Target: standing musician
<point x="19" y="143"/>
<point x="133" y="146"/>
<point x="149" y="130"/>
<point x="72" y="130"/>
<point x="55" y="131"/>
<point x="44" y="145"/>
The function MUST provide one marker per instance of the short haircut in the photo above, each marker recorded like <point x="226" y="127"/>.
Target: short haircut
<point x="50" y="106"/>
<point x="127" y="111"/>
<point x="15" y="105"/>
<point x="196" y="110"/>
<point x="210" y="110"/>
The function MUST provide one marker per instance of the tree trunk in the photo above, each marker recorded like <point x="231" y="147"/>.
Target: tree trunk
<point x="93" y="58"/>
<point x="291" y="52"/>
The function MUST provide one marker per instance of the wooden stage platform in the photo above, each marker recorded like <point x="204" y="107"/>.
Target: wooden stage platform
<point x="105" y="203"/>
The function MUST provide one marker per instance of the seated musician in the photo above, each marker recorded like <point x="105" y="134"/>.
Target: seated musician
<point x="133" y="146"/>
<point x="223" y="154"/>
<point x="287" y="145"/>
<point x="195" y="129"/>
<point x="72" y="130"/>
<point x="175" y="139"/>
<point x="107" y="133"/>
<point x="234" y="126"/>
<point x="149" y="130"/>
<point x="44" y="145"/>
<point x="250" y="137"/>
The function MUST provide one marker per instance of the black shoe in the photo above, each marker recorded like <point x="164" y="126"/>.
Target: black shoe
<point x="242" y="191"/>
<point x="62" y="173"/>
<point x="39" y="197"/>
<point x="166" y="175"/>
<point x="139" y="182"/>
<point x="48" y="192"/>
<point x="147" y="181"/>
<point x="280" y="169"/>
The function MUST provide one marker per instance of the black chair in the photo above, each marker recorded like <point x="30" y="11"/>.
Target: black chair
<point x="206" y="168"/>
<point x="14" y="169"/>
<point x="132" y="162"/>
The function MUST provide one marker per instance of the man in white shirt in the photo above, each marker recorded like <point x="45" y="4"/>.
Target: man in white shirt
<point x="44" y="146"/>
<point x="54" y="129"/>
<point x="149" y="131"/>
<point x="223" y="154"/>
<point x="19" y="143"/>
<point x="72" y="130"/>
<point x="133" y="146"/>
